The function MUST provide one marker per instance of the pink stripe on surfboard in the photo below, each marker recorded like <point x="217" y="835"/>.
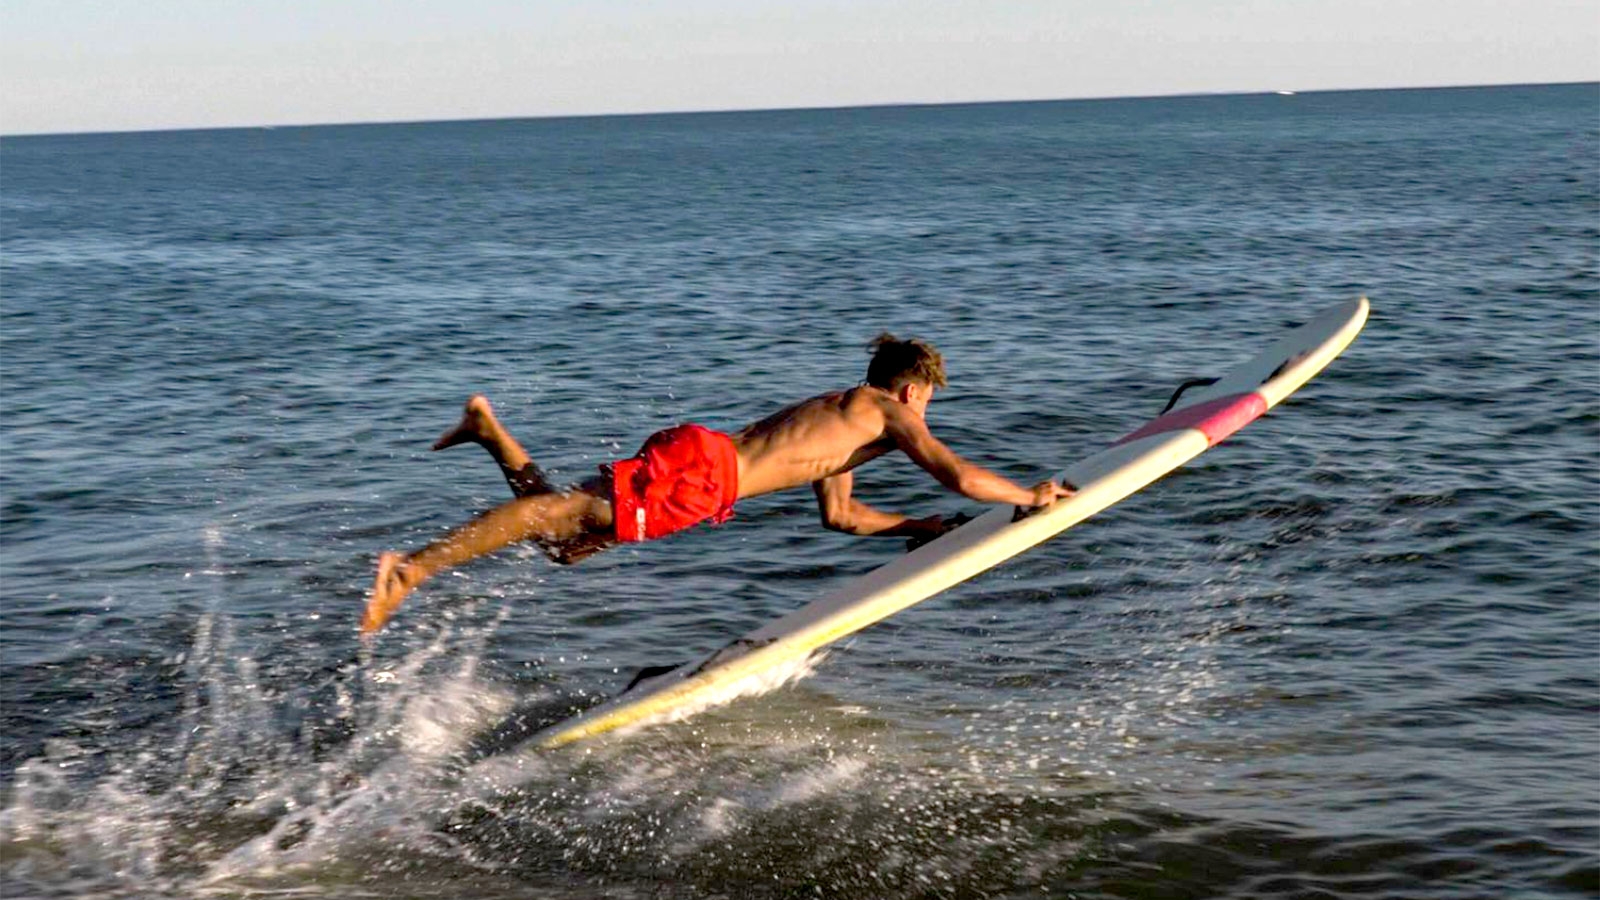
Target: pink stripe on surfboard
<point x="1216" y="419"/>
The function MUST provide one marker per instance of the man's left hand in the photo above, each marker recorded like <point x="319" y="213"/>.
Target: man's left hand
<point x="937" y="526"/>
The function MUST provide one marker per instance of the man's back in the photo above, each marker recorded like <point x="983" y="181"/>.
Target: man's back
<point x="813" y="439"/>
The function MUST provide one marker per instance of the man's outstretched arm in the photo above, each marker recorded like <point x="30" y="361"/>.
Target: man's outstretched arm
<point x="911" y="435"/>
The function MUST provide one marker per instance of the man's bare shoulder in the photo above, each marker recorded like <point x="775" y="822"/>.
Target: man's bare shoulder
<point x="864" y="408"/>
<point x="865" y="400"/>
<point x="852" y="405"/>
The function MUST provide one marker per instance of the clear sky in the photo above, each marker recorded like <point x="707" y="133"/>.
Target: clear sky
<point x="114" y="65"/>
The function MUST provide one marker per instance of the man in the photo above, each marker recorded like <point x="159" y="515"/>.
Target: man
<point x="689" y="474"/>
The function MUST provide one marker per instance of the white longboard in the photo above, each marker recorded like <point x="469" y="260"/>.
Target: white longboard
<point x="1194" y="422"/>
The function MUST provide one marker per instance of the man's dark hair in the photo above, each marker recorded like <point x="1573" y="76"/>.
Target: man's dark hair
<point x="896" y="362"/>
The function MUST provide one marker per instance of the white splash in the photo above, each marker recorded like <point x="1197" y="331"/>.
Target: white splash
<point x="752" y="685"/>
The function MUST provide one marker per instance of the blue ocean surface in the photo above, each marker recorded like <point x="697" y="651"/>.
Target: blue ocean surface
<point x="1352" y="652"/>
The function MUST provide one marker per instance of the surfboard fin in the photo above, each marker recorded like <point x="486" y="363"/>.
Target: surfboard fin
<point x="733" y="650"/>
<point x="1193" y="382"/>
<point x="649" y="672"/>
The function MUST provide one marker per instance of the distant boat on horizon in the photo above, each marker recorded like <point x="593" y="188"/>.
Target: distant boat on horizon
<point x="1285" y="93"/>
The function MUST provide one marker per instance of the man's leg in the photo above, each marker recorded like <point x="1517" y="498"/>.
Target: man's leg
<point x="479" y="426"/>
<point x="550" y="519"/>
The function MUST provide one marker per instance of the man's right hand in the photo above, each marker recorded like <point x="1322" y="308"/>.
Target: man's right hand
<point x="1048" y="492"/>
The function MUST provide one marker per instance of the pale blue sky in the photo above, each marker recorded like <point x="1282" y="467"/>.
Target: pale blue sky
<point x="113" y="65"/>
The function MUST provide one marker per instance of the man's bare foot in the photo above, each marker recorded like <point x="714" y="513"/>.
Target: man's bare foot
<point x="389" y="589"/>
<point x="477" y="424"/>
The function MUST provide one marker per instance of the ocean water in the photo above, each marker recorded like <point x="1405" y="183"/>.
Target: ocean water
<point x="1352" y="652"/>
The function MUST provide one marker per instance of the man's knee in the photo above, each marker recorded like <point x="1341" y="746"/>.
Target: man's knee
<point x="597" y="515"/>
<point x="577" y="550"/>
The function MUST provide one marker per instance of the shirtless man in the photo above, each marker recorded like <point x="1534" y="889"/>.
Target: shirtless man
<point x="686" y="475"/>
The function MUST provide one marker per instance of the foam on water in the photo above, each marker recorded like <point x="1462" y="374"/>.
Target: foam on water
<point x="237" y="804"/>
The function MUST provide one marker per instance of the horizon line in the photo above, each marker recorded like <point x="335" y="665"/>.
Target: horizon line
<point x="536" y="117"/>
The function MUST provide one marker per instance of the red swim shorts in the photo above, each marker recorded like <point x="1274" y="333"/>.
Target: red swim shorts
<point x="680" y="477"/>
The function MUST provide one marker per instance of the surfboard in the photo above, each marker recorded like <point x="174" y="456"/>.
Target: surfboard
<point x="1192" y="423"/>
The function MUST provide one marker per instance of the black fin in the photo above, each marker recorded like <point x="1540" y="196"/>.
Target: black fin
<point x="733" y="650"/>
<point x="1193" y="382"/>
<point x="648" y="672"/>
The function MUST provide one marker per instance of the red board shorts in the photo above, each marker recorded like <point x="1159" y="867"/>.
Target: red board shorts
<point x="680" y="477"/>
